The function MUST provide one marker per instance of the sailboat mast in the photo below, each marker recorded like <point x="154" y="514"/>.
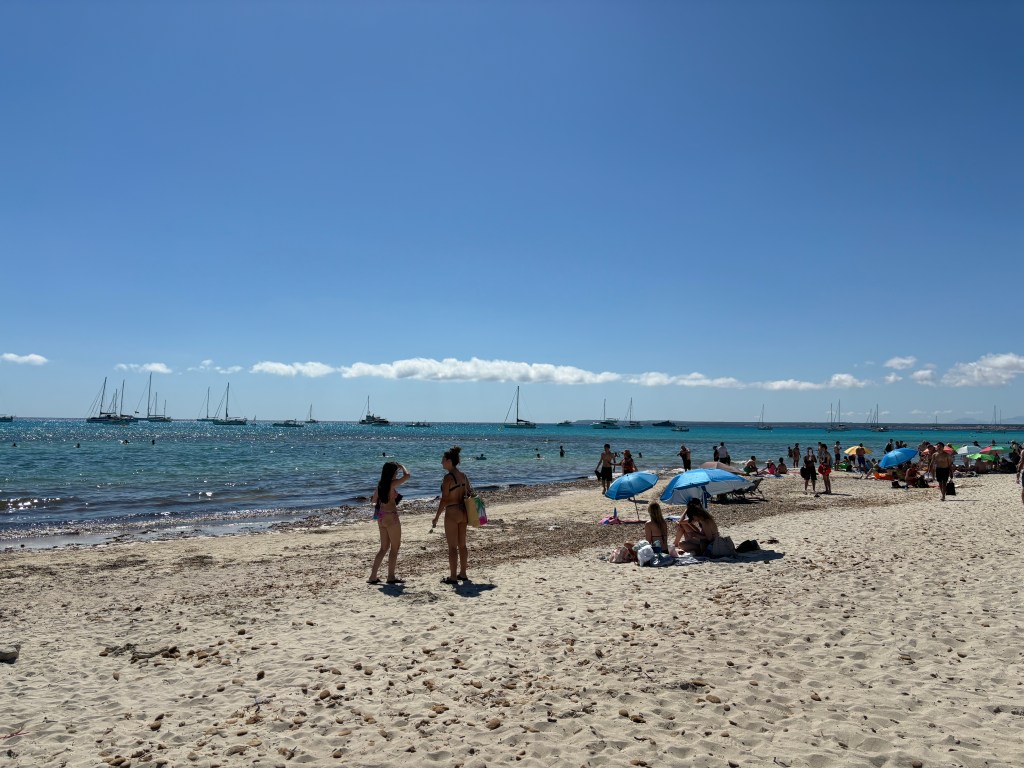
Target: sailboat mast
<point x="149" y="394"/>
<point x="227" y="402"/>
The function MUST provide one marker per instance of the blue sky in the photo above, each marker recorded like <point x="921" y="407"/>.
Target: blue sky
<point x="702" y="206"/>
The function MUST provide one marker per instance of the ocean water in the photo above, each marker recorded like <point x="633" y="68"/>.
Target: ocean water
<point x="186" y="476"/>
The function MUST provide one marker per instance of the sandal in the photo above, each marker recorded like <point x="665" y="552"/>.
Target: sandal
<point x="373" y="581"/>
<point x="396" y="580"/>
<point x="450" y="580"/>
<point x="463" y="577"/>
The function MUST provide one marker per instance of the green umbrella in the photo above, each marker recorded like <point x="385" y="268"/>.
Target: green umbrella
<point x="982" y="456"/>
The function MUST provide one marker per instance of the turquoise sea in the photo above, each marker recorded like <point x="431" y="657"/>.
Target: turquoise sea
<point x="186" y="476"/>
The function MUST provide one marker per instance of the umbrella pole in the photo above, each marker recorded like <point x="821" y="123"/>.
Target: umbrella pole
<point x="636" y="507"/>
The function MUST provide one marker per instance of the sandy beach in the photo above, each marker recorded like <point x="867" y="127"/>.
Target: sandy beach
<point x="887" y="634"/>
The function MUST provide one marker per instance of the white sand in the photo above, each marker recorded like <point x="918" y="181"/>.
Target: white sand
<point x="889" y="634"/>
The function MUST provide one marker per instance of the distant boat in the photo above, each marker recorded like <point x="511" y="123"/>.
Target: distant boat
<point x="229" y="420"/>
<point x="5" y="417"/>
<point x="760" y="422"/>
<point x="566" y="423"/>
<point x="518" y="423"/>
<point x="289" y="423"/>
<point x="681" y="428"/>
<point x="152" y="415"/>
<point x="310" y="419"/>
<point x="419" y="424"/>
<point x="836" y="425"/>
<point x="665" y="423"/>
<point x="112" y="415"/>
<point x="207" y="417"/>
<point x="872" y="422"/>
<point x="630" y="423"/>
<point x="605" y="422"/>
<point x="372" y="419"/>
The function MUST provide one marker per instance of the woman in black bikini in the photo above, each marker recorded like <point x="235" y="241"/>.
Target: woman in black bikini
<point x="455" y="489"/>
<point x="385" y="511"/>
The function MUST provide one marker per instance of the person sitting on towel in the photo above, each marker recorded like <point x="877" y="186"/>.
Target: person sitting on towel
<point x="696" y="529"/>
<point x="912" y="477"/>
<point x="781" y="468"/>
<point x="656" y="529"/>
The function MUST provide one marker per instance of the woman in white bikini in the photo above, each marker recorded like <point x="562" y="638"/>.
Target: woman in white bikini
<point x="455" y="489"/>
<point x="385" y="511"/>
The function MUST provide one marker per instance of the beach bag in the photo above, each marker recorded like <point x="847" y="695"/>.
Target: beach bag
<point x="895" y="483"/>
<point x="750" y="545"/>
<point x="804" y="473"/>
<point x="476" y="510"/>
<point x="619" y="555"/>
<point x="950" y="488"/>
<point x="721" y="546"/>
<point x="644" y="552"/>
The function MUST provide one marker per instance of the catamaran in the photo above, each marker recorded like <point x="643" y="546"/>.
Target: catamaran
<point x="760" y="422"/>
<point x="872" y="422"/>
<point x="229" y="420"/>
<point x="372" y="419"/>
<point x="518" y="423"/>
<point x="605" y="422"/>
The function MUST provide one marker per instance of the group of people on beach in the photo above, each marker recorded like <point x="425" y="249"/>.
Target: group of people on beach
<point x="695" y="532"/>
<point x="456" y="491"/>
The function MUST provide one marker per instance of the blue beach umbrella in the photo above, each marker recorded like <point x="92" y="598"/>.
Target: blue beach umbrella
<point x="697" y="483"/>
<point x="629" y="485"/>
<point x="897" y="457"/>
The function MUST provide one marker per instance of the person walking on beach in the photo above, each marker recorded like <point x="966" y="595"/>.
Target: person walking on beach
<point x="684" y="454"/>
<point x="941" y="467"/>
<point x="385" y="511"/>
<point x="837" y="453"/>
<point x="862" y="463"/>
<point x="605" y="464"/>
<point x="455" y="489"/>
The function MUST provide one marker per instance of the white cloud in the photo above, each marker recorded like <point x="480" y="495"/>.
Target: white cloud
<point x="143" y="367"/>
<point x="207" y="366"/>
<point x="987" y="371"/>
<point x="788" y="385"/>
<point x="845" y="381"/>
<point x="10" y="357"/>
<point x="311" y="370"/>
<point x="925" y="376"/>
<point x="450" y="369"/>
<point x="900" y="363"/>
<point x="892" y="378"/>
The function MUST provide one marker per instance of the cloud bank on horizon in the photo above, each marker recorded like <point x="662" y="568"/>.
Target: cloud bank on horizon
<point x="990" y="370"/>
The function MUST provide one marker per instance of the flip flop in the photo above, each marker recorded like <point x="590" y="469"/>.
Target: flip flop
<point x="451" y="581"/>
<point x="373" y="581"/>
<point x="396" y="580"/>
<point x="463" y="577"/>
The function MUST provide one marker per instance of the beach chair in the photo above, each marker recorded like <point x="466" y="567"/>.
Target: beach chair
<point x="753" y="491"/>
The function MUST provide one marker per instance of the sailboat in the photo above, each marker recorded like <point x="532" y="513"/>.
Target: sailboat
<point x="229" y="420"/>
<point x="372" y="419"/>
<point x="605" y="422"/>
<point x="836" y="425"/>
<point x="630" y="423"/>
<point x="112" y="415"/>
<point x="310" y="419"/>
<point x="152" y="415"/>
<point x="760" y="422"/>
<point x="518" y="423"/>
<point x="207" y="403"/>
<point x="872" y="422"/>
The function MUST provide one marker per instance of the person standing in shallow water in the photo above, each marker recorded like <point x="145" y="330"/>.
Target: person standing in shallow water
<point x="385" y="511"/>
<point x="455" y="489"/>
